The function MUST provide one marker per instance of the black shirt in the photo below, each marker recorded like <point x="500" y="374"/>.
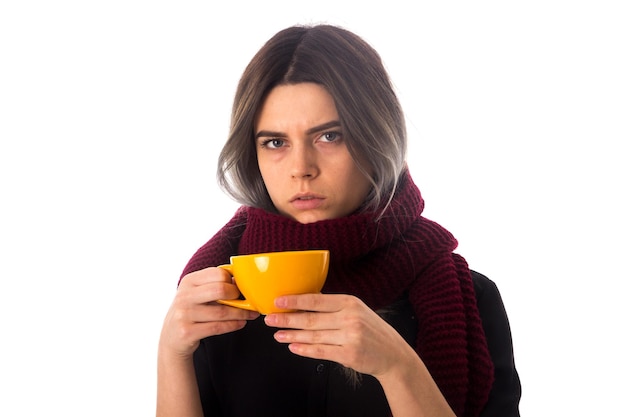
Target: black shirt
<point x="247" y="373"/>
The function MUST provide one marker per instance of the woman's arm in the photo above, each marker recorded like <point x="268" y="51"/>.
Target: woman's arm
<point x="177" y="390"/>
<point x="411" y="390"/>
<point x="193" y="315"/>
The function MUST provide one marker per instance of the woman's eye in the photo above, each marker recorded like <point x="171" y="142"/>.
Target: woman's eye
<point x="272" y="143"/>
<point x="331" y="136"/>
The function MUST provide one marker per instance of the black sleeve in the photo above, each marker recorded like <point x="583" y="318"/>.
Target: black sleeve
<point x="208" y="397"/>
<point x="506" y="391"/>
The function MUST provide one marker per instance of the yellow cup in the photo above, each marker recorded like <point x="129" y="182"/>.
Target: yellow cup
<point x="263" y="277"/>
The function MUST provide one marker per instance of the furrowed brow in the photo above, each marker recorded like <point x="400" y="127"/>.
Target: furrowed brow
<point x="310" y="131"/>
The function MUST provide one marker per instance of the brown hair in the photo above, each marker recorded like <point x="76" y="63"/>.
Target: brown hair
<point x="354" y="75"/>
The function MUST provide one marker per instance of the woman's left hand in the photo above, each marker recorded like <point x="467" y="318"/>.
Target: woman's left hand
<point x="340" y="328"/>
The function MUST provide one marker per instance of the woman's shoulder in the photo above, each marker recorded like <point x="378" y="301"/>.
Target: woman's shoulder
<point x="483" y="285"/>
<point x="506" y="391"/>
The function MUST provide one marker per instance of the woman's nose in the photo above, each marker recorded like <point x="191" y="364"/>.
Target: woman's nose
<point x="304" y="163"/>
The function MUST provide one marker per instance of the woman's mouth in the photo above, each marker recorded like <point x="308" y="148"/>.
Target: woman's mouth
<point x="307" y="201"/>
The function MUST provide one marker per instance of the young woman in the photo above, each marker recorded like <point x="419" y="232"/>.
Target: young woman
<point x="403" y="327"/>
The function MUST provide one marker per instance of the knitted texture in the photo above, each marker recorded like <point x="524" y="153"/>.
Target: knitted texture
<point x="379" y="261"/>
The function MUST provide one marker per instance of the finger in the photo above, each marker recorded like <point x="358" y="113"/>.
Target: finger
<point x="207" y="293"/>
<point x="359" y="356"/>
<point x="318" y="351"/>
<point x="304" y="320"/>
<point x="321" y="311"/>
<point x="205" y="276"/>
<point x="311" y="337"/>
<point x="183" y="334"/>
<point x="223" y="327"/>
<point x="189" y="335"/>
<point x="313" y="302"/>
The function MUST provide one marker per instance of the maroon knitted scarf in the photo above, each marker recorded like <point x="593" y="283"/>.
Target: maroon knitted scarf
<point x="379" y="261"/>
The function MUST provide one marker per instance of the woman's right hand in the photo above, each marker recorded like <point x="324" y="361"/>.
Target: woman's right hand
<point x="195" y="314"/>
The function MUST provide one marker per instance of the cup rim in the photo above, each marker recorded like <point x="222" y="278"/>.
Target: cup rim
<point x="287" y="252"/>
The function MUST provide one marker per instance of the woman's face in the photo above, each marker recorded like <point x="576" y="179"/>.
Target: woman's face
<point x="302" y="155"/>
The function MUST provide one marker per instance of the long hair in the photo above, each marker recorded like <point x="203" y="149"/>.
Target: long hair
<point x="354" y="75"/>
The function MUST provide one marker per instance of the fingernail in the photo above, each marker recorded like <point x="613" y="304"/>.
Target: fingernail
<point x="270" y="319"/>
<point x="280" y="302"/>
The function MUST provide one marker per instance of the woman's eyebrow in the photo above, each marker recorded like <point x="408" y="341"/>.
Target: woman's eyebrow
<point x="314" y="129"/>
<point x="269" y="133"/>
<point x="323" y="126"/>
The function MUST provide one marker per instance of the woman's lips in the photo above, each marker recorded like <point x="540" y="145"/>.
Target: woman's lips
<point x="307" y="201"/>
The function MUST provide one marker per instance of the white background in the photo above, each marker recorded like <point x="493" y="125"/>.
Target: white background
<point x="112" y="114"/>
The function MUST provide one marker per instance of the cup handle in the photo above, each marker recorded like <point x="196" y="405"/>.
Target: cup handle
<point x="244" y="304"/>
